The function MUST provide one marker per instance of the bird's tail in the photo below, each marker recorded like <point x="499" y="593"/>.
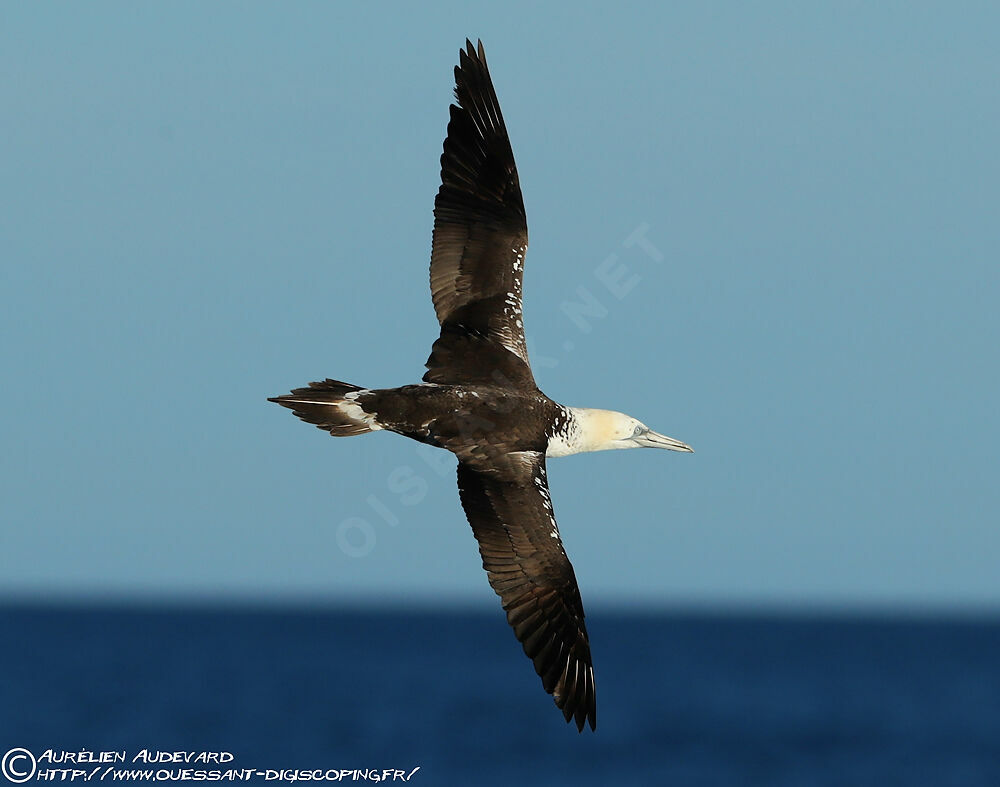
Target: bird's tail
<point x="333" y="406"/>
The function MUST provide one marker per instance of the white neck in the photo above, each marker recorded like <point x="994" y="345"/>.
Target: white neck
<point x="587" y="429"/>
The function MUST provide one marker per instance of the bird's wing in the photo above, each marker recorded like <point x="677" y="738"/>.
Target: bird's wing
<point x="511" y="515"/>
<point x="480" y="237"/>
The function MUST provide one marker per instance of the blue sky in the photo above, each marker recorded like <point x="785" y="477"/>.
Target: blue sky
<point x="204" y="205"/>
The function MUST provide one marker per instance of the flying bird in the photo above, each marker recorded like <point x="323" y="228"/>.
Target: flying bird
<point x="479" y="399"/>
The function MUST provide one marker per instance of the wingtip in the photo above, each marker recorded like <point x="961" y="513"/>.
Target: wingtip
<point x="473" y="52"/>
<point x="583" y="718"/>
<point x="580" y="706"/>
<point x="585" y="714"/>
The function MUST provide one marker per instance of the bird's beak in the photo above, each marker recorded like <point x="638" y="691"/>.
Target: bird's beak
<point x="656" y="440"/>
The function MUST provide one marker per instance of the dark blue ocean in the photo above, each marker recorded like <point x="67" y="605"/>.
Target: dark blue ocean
<point x="682" y="700"/>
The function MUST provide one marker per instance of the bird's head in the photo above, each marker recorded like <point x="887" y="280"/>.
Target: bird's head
<point x="604" y="430"/>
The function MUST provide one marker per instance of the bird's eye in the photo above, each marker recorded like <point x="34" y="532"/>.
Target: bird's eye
<point x="640" y="429"/>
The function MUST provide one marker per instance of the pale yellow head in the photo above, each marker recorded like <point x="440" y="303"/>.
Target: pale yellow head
<point x="604" y="430"/>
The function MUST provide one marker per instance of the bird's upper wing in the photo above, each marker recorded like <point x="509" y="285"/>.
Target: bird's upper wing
<point x="508" y="506"/>
<point x="480" y="238"/>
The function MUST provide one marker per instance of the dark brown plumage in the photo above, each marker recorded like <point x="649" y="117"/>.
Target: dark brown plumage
<point x="480" y="239"/>
<point x="511" y="515"/>
<point x="479" y="399"/>
<point x="480" y="230"/>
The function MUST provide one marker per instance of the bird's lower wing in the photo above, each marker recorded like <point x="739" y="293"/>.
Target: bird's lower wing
<point x="511" y="515"/>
